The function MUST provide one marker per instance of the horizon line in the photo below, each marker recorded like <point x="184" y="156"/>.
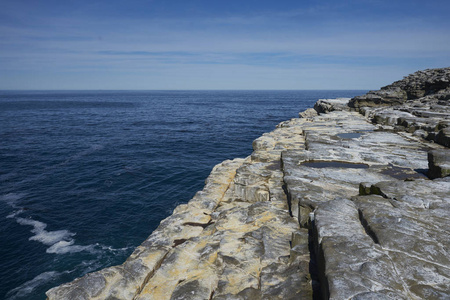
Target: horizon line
<point x="169" y="90"/>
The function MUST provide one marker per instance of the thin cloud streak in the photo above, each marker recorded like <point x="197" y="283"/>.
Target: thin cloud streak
<point x="306" y="76"/>
<point x="280" y="40"/>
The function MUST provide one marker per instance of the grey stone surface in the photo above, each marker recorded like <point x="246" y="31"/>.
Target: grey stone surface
<point x="439" y="163"/>
<point x="410" y="223"/>
<point x="386" y="243"/>
<point x="309" y="113"/>
<point x="419" y="104"/>
<point x="434" y="82"/>
<point x="328" y="105"/>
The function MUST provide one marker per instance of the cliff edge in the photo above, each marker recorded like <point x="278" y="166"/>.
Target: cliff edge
<point x="349" y="201"/>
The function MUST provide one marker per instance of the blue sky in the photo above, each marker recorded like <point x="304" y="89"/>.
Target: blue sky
<point x="197" y="44"/>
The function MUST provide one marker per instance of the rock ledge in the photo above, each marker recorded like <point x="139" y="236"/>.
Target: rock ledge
<point x="349" y="201"/>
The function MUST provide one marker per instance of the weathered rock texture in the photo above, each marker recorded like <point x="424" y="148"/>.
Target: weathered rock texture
<point x="439" y="163"/>
<point x="391" y="243"/>
<point x="333" y="205"/>
<point x="418" y="104"/>
<point x="431" y="83"/>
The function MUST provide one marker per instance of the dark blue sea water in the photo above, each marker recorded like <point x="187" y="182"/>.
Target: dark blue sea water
<point x="85" y="177"/>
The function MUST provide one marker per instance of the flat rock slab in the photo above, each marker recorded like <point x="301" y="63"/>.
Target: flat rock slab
<point x="392" y="241"/>
<point x="341" y="150"/>
<point x="410" y="222"/>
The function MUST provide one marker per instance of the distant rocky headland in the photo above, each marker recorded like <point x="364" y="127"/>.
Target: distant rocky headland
<point x="349" y="201"/>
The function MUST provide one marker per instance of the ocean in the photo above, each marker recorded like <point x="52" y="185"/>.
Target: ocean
<point x="86" y="176"/>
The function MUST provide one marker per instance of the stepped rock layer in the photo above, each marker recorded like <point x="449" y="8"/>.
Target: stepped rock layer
<point x="337" y="204"/>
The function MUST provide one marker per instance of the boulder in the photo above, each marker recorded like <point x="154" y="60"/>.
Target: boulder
<point x="328" y="105"/>
<point x="309" y="113"/>
<point x="431" y="82"/>
<point x="439" y="163"/>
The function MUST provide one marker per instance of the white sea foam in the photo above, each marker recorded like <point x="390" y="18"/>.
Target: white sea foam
<point x="51" y="237"/>
<point x="28" y="287"/>
<point x="42" y="235"/>
<point x="38" y="226"/>
<point x="63" y="247"/>
<point x="12" y="198"/>
<point x="60" y="241"/>
<point x="109" y="248"/>
<point x="25" y="290"/>
<point x="14" y="214"/>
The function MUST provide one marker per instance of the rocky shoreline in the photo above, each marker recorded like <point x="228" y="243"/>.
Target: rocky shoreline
<point x="349" y="201"/>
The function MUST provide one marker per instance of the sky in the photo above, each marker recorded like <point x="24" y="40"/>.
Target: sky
<point x="212" y="44"/>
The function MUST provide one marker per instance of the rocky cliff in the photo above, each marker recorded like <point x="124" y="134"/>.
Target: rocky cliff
<point x="350" y="203"/>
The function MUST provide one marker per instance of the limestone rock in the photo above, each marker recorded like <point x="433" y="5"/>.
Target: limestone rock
<point x="418" y="104"/>
<point x="328" y="105"/>
<point x="353" y="264"/>
<point x="415" y="237"/>
<point x="345" y="155"/>
<point x="309" y="113"/>
<point x="422" y="83"/>
<point x="439" y="163"/>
